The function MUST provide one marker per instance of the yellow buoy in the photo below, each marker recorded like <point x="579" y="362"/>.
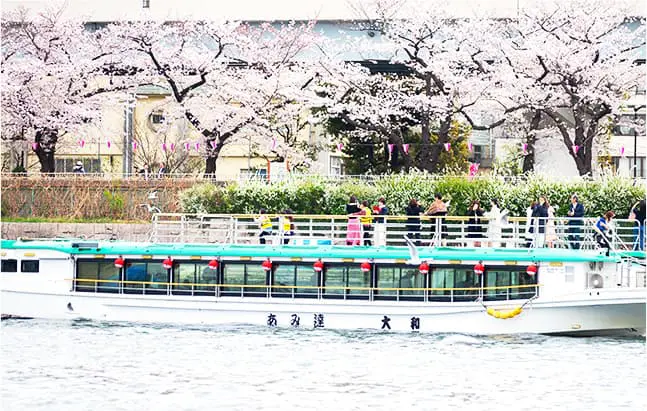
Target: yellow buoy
<point x="504" y="314"/>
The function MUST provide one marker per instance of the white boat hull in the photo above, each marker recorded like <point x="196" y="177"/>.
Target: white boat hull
<point x="613" y="311"/>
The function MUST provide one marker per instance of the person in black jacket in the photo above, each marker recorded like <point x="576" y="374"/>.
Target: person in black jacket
<point x="413" y="223"/>
<point x="638" y="214"/>
<point x="474" y="223"/>
<point x="539" y="215"/>
<point x="576" y="211"/>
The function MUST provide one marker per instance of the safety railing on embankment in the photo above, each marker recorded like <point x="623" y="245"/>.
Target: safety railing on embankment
<point x="515" y="232"/>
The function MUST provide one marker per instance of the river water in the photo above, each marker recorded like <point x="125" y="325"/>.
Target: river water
<point x="82" y="365"/>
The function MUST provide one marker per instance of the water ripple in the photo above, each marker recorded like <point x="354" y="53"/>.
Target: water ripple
<point x="82" y="365"/>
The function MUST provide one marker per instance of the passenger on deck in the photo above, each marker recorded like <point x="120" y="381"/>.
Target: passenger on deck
<point x="576" y="211"/>
<point x="413" y="223"/>
<point x="551" y="232"/>
<point x="353" y="235"/>
<point x="494" y="224"/>
<point x="380" y="222"/>
<point x="287" y="225"/>
<point x="366" y="221"/>
<point x="474" y="223"/>
<point x="604" y="225"/>
<point x="539" y="215"/>
<point x="637" y="213"/>
<point x="437" y="208"/>
<point x="265" y="224"/>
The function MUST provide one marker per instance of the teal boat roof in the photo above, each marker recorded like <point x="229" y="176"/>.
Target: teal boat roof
<point x="89" y="247"/>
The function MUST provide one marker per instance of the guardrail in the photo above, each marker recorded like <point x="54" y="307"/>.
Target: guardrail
<point x="516" y="232"/>
<point x="465" y="294"/>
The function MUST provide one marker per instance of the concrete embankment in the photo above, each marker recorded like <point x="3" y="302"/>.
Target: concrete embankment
<point x="98" y="231"/>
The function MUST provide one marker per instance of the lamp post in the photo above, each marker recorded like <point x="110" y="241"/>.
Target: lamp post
<point x="636" y="110"/>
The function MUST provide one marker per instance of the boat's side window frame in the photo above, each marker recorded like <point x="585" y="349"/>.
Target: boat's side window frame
<point x="351" y="276"/>
<point x="198" y="271"/>
<point x="452" y="277"/>
<point x="403" y="276"/>
<point x="9" y="265"/>
<point x="29" y="266"/>
<point x="103" y="270"/>
<point x="508" y="276"/>
<point x="251" y="274"/>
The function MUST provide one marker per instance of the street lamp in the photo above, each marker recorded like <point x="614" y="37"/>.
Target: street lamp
<point x="636" y="110"/>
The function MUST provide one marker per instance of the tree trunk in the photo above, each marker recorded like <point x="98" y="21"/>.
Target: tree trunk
<point x="531" y="140"/>
<point x="436" y="149"/>
<point x="46" y="149"/>
<point x="212" y="158"/>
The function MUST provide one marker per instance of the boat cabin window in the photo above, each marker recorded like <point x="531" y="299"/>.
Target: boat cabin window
<point x="194" y="278"/>
<point x="457" y="283"/>
<point x="248" y="278"/>
<point x="399" y="277"/>
<point x="29" y="266"/>
<point x="97" y="276"/>
<point x="147" y="277"/>
<point x="346" y="280"/>
<point x="9" y="266"/>
<point x="511" y="283"/>
<point x="298" y="280"/>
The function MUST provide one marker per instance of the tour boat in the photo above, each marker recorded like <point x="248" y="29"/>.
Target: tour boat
<point x="438" y="289"/>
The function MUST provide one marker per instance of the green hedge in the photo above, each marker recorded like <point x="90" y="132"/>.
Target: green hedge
<point x="318" y="196"/>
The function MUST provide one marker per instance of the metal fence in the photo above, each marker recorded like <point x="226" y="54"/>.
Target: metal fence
<point x="576" y="233"/>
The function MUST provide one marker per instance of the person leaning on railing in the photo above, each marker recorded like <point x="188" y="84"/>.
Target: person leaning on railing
<point x="413" y="222"/>
<point x="604" y="226"/>
<point x="366" y="220"/>
<point x="265" y="224"/>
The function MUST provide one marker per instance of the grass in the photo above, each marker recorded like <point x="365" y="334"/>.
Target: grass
<point x="105" y="220"/>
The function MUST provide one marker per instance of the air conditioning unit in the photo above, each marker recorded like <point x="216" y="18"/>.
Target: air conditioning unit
<point x="594" y="280"/>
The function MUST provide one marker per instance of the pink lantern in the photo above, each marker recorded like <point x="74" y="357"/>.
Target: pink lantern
<point x="213" y="144"/>
<point x="470" y="147"/>
<point x="81" y="143"/>
<point x="391" y="148"/>
<point x="172" y="146"/>
<point x="108" y="143"/>
<point x="405" y="148"/>
<point x="197" y="146"/>
<point x="164" y="147"/>
<point x="187" y="146"/>
<point x="340" y="146"/>
<point x="34" y="146"/>
<point x="622" y="151"/>
<point x="575" y="149"/>
<point x="273" y="145"/>
<point x="448" y="146"/>
<point x="524" y="148"/>
<point x="134" y="145"/>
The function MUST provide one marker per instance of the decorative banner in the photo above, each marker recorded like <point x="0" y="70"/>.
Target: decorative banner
<point x="273" y="145"/>
<point x="622" y="151"/>
<point x="81" y="143"/>
<point x="187" y="146"/>
<point x="108" y="144"/>
<point x="197" y="146"/>
<point x="524" y="148"/>
<point x="474" y="168"/>
<point x="391" y="148"/>
<point x="164" y="147"/>
<point x="213" y="144"/>
<point x="470" y="147"/>
<point x="340" y="146"/>
<point x="405" y="148"/>
<point x="173" y="147"/>
<point x="34" y="146"/>
<point x="575" y="149"/>
<point x="448" y="146"/>
<point x="134" y="145"/>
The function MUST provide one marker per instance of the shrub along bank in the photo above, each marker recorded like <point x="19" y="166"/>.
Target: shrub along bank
<point x="318" y="196"/>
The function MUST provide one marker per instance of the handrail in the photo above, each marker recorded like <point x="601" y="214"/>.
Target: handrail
<point x="314" y="287"/>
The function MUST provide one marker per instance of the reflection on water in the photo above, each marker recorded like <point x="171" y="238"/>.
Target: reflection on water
<point x="83" y="365"/>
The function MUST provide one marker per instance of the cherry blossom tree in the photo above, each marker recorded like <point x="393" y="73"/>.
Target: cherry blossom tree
<point x="573" y="64"/>
<point x="54" y="79"/>
<point x="222" y="75"/>
<point x="450" y="72"/>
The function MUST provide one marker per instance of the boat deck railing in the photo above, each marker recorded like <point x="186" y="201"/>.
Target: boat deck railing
<point x="465" y="294"/>
<point x="456" y="231"/>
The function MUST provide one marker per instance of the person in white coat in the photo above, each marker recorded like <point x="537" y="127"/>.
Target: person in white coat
<point x="494" y="224"/>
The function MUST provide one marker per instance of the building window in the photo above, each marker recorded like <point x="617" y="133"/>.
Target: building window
<point x="336" y="166"/>
<point x="146" y="4"/>
<point x="157" y="118"/>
